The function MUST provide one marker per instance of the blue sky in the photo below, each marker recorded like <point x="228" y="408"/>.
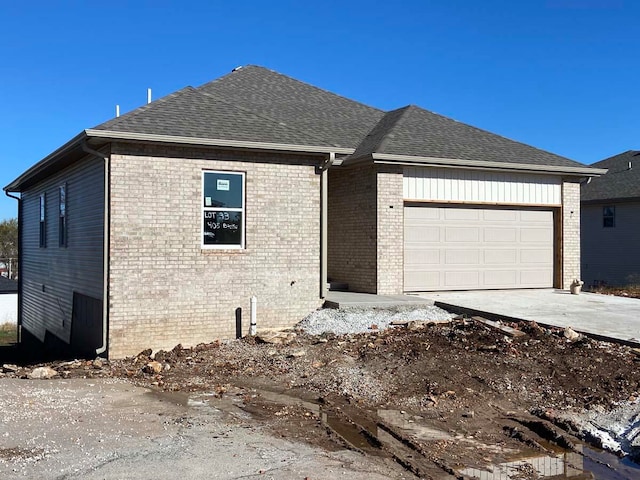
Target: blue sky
<point x="562" y="75"/>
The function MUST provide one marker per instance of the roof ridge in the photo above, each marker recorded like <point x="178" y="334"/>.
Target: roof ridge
<point x="266" y="117"/>
<point x="259" y="67"/>
<point x="396" y="122"/>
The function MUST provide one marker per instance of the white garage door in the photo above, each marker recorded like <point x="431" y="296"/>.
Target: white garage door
<point x="455" y="248"/>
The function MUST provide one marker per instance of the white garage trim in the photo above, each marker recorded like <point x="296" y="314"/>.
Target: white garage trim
<point x="477" y="248"/>
<point x="476" y="186"/>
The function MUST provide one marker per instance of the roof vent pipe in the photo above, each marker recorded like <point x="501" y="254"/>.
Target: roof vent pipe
<point x="117" y="111"/>
<point x="630" y="166"/>
<point x="148" y="95"/>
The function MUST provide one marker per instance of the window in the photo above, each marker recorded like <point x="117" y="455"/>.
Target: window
<point x="62" y="216"/>
<point x="223" y="210"/>
<point x="609" y="217"/>
<point x="43" y="223"/>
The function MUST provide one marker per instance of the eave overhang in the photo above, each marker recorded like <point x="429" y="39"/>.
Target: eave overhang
<point x="58" y="159"/>
<point x="415" y="161"/>
<point x="72" y="150"/>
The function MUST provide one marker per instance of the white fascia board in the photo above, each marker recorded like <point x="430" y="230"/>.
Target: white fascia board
<point x="484" y="165"/>
<point x="213" y="142"/>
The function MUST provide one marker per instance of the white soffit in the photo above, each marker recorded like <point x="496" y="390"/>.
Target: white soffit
<point x="477" y="186"/>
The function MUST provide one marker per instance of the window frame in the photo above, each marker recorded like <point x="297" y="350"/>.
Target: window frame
<point x="43" y="221"/>
<point x="609" y="216"/>
<point x="62" y="215"/>
<point x="242" y="210"/>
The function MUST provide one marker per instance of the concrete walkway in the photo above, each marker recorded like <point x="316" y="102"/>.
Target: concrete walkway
<point x="602" y="316"/>
<point x="336" y="299"/>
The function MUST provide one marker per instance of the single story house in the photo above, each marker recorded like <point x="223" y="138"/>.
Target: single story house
<point x="162" y="224"/>
<point x="610" y="223"/>
<point x="8" y="301"/>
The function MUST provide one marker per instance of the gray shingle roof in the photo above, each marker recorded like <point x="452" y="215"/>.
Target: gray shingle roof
<point x="341" y="122"/>
<point x="254" y="104"/>
<point x="413" y="131"/>
<point x="193" y="113"/>
<point x="619" y="182"/>
<point x="258" y="105"/>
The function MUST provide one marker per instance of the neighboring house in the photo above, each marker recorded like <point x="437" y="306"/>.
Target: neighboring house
<point x="8" y="301"/>
<point x="610" y="223"/>
<point x="257" y="184"/>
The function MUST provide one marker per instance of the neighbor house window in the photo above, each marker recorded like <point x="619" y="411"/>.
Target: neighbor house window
<point x="62" y="216"/>
<point x="609" y="217"/>
<point x="43" y="222"/>
<point x="223" y="209"/>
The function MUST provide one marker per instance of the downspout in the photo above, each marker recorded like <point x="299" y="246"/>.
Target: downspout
<point x="324" y="219"/>
<point x="19" y="322"/>
<point x="105" y="254"/>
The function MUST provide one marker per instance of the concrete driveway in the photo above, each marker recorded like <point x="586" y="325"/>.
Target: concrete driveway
<point x="99" y="429"/>
<point x="593" y="314"/>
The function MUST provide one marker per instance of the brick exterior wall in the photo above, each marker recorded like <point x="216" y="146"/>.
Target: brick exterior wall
<point x="352" y="229"/>
<point x="570" y="232"/>
<point x="390" y="217"/>
<point x="165" y="289"/>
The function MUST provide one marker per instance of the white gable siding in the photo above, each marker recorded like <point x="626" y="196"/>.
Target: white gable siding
<point x="475" y="186"/>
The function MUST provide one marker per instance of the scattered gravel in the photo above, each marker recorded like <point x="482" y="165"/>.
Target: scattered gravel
<point x="345" y="321"/>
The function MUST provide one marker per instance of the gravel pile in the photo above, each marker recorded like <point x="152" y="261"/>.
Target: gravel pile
<point x="342" y="322"/>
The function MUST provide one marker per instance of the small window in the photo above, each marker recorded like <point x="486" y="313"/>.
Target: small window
<point x="609" y="217"/>
<point x="62" y="216"/>
<point x="223" y="210"/>
<point x="43" y="221"/>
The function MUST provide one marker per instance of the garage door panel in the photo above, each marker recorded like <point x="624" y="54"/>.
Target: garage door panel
<point x="421" y="256"/>
<point x="500" y="257"/>
<point x="462" y="257"/>
<point x="499" y="215"/>
<point x="422" y="234"/>
<point x="536" y="256"/>
<point x="415" y="281"/>
<point x="500" y="278"/>
<point x="468" y="278"/>
<point x="416" y="215"/>
<point x="460" y="214"/>
<point x="536" y="235"/>
<point x="500" y="235"/>
<point x="461" y="248"/>
<point x="537" y="216"/>
<point x="462" y="234"/>
<point x="535" y="278"/>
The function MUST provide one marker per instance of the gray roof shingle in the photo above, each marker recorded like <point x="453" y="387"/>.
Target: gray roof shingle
<point x="413" y="131"/>
<point x="259" y="105"/>
<point x="619" y="182"/>
<point x="193" y="113"/>
<point x="341" y="122"/>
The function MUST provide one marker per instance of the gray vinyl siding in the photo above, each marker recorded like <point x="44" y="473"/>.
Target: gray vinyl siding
<point x="50" y="275"/>
<point x="611" y="255"/>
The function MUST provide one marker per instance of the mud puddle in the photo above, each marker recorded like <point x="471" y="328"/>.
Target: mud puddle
<point x="585" y="463"/>
<point x="397" y="434"/>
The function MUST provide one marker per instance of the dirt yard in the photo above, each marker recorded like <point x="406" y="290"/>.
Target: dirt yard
<point x="632" y="291"/>
<point x="438" y="398"/>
